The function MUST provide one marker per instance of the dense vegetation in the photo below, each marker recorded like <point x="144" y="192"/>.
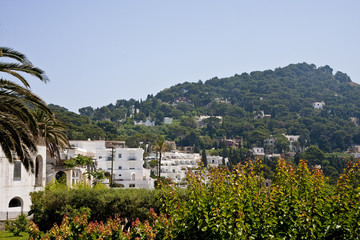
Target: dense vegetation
<point x="49" y="206"/>
<point x="284" y="95"/>
<point x="237" y="205"/>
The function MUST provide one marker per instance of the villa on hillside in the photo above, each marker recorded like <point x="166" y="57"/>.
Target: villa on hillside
<point x="175" y="164"/>
<point x="127" y="164"/>
<point x="319" y="105"/>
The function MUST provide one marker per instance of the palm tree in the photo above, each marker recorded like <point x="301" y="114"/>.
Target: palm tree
<point x="52" y="132"/>
<point x="18" y="127"/>
<point x="161" y="147"/>
<point x="24" y="65"/>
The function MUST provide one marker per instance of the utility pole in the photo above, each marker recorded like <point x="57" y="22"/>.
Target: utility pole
<point x="112" y="166"/>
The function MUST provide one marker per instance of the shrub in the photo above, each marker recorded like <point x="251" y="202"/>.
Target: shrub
<point x="51" y="205"/>
<point x="17" y="226"/>
<point x="236" y="205"/>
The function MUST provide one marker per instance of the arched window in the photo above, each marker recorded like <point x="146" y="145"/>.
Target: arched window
<point x="15" y="202"/>
<point x="60" y="176"/>
<point x="132" y="176"/>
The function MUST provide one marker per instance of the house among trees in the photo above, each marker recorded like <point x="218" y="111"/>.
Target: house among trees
<point x="146" y="123"/>
<point x="258" y="151"/>
<point x="318" y="105"/>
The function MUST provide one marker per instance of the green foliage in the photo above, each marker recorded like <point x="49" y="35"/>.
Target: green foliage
<point x="237" y="205"/>
<point x="286" y="94"/>
<point x="17" y="226"/>
<point x="79" y="160"/>
<point x="51" y="205"/>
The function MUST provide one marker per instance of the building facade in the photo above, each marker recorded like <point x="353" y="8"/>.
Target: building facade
<point x="16" y="183"/>
<point x="125" y="163"/>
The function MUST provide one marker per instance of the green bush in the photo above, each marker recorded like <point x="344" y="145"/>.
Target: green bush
<point x="17" y="226"/>
<point x="221" y="204"/>
<point x="49" y="206"/>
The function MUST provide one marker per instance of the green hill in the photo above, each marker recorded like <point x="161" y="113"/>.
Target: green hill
<point x="252" y="106"/>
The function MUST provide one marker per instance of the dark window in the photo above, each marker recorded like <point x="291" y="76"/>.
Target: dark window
<point x="17" y="170"/>
<point x="15" y="202"/>
<point x="120" y="156"/>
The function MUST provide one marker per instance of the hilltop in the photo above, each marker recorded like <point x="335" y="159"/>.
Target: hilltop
<point x="252" y="106"/>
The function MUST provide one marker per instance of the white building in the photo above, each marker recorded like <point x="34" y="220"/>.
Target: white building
<point x="16" y="183"/>
<point x="175" y="165"/>
<point x="168" y="120"/>
<point x="294" y="145"/>
<point x="128" y="170"/>
<point x="215" y="161"/>
<point x="147" y="123"/>
<point x="318" y="105"/>
<point x="259" y="151"/>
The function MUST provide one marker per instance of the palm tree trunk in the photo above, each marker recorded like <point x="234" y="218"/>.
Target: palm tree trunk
<point x="159" y="166"/>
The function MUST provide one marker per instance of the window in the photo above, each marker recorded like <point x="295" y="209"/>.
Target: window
<point x="120" y="167"/>
<point x="17" y="171"/>
<point x="131" y="185"/>
<point x="100" y="157"/>
<point x="120" y="156"/>
<point x="109" y="158"/>
<point x="132" y="157"/>
<point x="15" y="202"/>
<point x="132" y="168"/>
<point x="119" y="175"/>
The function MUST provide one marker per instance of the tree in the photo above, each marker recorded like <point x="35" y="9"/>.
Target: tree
<point x="18" y="127"/>
<point x="24" y="65"/>
<point x="203" y="158"/>
<point x="161" y="147"/>
<point x="52" y="132"/>
<point x="314" y="155"/>
<point x="282" y="144"/>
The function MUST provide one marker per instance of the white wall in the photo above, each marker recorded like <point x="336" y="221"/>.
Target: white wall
<point x="11" y="188"/>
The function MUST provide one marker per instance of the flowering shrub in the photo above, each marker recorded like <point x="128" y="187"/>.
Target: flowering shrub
<point x="237" y="205"/>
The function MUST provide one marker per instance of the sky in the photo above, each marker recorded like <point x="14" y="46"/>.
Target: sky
<point x="96" y="52"/>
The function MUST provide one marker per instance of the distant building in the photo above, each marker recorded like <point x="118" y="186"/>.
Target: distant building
<point x="294" y="145"/>
<point x="175" y="165"/>
<point x="261" y="115"/>
<point x="168" y="120"/>
<point x="215" y="161"/>
<point x="259" y="151"/>
<point x="318" y="105"/>
<point x="354" y="120"/>
<point x="147" y="123"/>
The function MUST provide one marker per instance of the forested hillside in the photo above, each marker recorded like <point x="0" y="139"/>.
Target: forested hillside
<point x="253" y="106"/>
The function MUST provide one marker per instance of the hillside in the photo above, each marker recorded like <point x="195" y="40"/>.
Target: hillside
<point x="252" y="106"/>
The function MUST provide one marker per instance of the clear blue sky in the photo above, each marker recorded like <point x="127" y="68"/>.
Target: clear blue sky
<point x="96" y="52"/>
